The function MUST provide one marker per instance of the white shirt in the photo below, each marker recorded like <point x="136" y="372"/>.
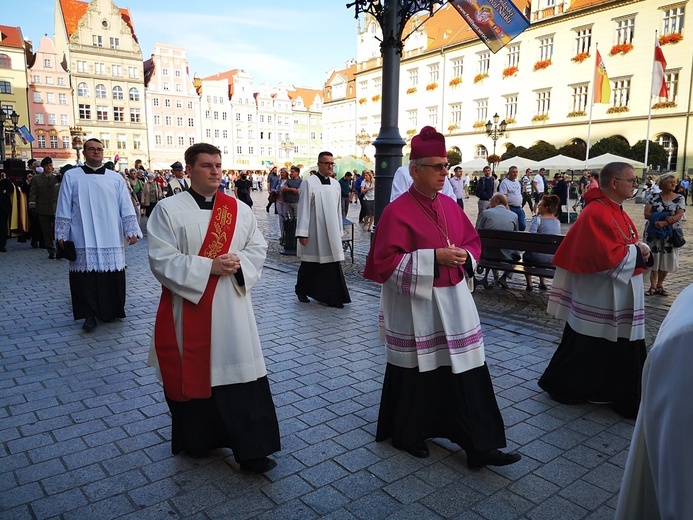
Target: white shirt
<point x="512" y="190"/>
<point x="403" y="181"/>
<point x="457" y="186"/>
<point x="540" y="183"/>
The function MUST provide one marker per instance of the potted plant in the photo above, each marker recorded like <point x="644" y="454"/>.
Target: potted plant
<point x="580" y="57"/>
<point x="577" y="113"/>
<point x="455" y="81"/>
<point x="480" y="77"/>
<point x="493" y="159"/>
<point x="411" y="90"/>
<point x="664" y="104"/>
<point x="376" y="98"/>
<point x="622" y="48"/>
<point x="617" y="110"/>
<point x="542" y="64"/>
<point x="540" y="118"/>
<point x="432" y="86"/>
<point x="510" y="71"/>
<point x="670" y="38"/>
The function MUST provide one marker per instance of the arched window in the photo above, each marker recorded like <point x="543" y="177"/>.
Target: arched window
<point x="669" y="143"/>
<point x="117" y="93"/>
<point x="83" y="90"/>
<point x="5" y="61"/>
<point x="134" y="94"/>
<point x="100" y="91"/>
<point x="480" y="152"/>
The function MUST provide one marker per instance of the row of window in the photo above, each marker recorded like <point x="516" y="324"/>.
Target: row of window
<point x="168" y="121"/>
<point x="121" y="141"/>
<point x="101" y="113"/>
<point x="158" y="140"/>
<point x="167" y="103"/>
<point x="48" y="80"/>
<point x="39" y="119"/>
<point x="100" y="69"/>
<point x="50" y="98"/>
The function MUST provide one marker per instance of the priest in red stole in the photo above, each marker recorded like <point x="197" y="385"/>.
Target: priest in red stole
<point x="208" y="253"/>
<point x="598" y="290"/>
<point x="437" y="384"/>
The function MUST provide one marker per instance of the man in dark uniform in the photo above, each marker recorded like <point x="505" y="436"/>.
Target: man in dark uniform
<point x="43" y="197"/>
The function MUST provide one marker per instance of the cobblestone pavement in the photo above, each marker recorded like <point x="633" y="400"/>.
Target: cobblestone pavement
<point x="85" y="430"/>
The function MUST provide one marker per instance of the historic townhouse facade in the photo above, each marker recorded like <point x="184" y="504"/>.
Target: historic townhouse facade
<point x="172" y="106"/>
<point x="97" y="40"/>
<point x="216" y="125"/>
<point x="50" y="106"/>
<point x="307" y="124"/>
<point x="13" y="88"/>
<point x="339" y="112"/>
<point x="541" y="83"/>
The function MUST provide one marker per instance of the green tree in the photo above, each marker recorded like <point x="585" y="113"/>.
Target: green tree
<point x="540" y="151"/>
<point x="576" y="151"/>
<point x="454" y="157"/>
<point x="515" y="151"/>
<point x="615" y="145"/>
<point x="657" y="156"/>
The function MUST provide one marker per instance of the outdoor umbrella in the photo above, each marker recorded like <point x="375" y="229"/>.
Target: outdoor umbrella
<point x="604" y="159"/>
<point x="350" y="164"/>
<point x="473" y="165"/>
<point x="305" y="172"/>
<point x="521" y="163"/>
<point x="561" y="162"/>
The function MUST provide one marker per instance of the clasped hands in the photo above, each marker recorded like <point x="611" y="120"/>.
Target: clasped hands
<point x="451" y="256"/>
<point x="229" y="263"/>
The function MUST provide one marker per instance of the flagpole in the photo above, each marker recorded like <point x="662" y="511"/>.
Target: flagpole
<point x="649" y="117"/>
<point x="589" y="125"/>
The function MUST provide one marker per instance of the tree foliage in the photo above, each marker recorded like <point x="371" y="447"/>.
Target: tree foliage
<point x="574" y="150"/>
<point x="454" y="157"/>
<point x="514" y="152"/>
<point x="615" y="145"/>
<point x="540" y="151"/>
<point x="657" y="156"/>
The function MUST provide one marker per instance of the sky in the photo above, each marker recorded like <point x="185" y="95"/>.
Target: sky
<point x="275" y="41"/>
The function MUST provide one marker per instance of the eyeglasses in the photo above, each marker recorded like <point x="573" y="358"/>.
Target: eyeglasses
<point x="438" y="167"/>
<point x="632" y="181"/>
<point x="94" y="150"/>
<point x="326" y="163"/>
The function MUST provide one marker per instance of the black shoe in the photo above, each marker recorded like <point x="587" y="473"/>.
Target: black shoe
<point x="34" y="244"/>
<point x="51" y="256"/>
<point x="267" y="208"/>
<point x="542" y="287"/>
<point x="502" y="282"/>
<point x="529" y="288"/>
<point x="2" y="249"/>
<point x="259" y="466"/>
<point x="302" y="298"/>
<point x="419" y="450"/>
<point x="336" y="305"/>
<point x="89" y="324"/>
<point x="491" y="458"/>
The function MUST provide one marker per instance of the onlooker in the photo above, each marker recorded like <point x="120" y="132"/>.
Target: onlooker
<point x="538" y="185"/>
<point x="598" y="290"/>
<point x="291" y="191"/>
<point x="345" y="185"/>
<point x="560" y="188"/>
<point x="43" y="198"/>
<point x="499" y="216"/>
<point x="484" y="190"/>
<point x="242" y="188"/>
<point x="545" y="222"/>
<point x="368" y="192"/>
<point x="177" y="184"/>
<point x="282" y="207"/>
<point x="457" y="183"/>
<point x="94" y="211"/>
<point x="512" y="189"/>
<point x="7" y="190"/>
<point x="527" y="190"/>
<point x="151" y="194"/>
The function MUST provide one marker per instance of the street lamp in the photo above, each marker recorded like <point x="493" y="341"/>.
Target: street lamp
<point x="76" y="133"/>
<point x="287" y="145"/>
<point x="495" y="131"/>
<point x="14" y="119"/>
<point x="363" y="140"/>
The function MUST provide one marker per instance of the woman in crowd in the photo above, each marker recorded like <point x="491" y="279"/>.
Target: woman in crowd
<point x="151" y="194"/>
<point x="546" y="223"/>
<point x="663" y="213"/>
<point x="282" y="208"/>
<point x="368" y="192"/>
<point x="242" y="187"/>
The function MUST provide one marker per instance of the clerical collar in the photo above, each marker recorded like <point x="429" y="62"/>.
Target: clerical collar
<point x="202" y="201"/>
<point x="88" y="169"/>
<point x="322" y="178"/>
<point x="427" y="197"/>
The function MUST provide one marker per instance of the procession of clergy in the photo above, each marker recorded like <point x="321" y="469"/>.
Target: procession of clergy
<point x="207" y="252"/>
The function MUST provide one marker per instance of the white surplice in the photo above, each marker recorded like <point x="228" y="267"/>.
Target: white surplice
<point x="658" y="480"/>
<point x="402" y="181"/>
<point x="176" y="231"/>
<point x="609" y="305"/>
<point x="95" y="211"/>
<point x="319" y="218"/>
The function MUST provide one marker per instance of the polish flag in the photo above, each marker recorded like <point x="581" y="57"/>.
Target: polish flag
<point x="659" y="81"/>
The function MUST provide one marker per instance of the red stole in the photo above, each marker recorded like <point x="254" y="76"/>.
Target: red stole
<point x="189" y="377"/>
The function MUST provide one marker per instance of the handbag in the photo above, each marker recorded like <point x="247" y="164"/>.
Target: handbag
<point x="66" y="250"/>
<point x="677" y="239"/>
<point x="272" y="197"/>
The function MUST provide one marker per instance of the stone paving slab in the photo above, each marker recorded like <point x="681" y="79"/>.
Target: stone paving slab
<point x="85" y="432"/>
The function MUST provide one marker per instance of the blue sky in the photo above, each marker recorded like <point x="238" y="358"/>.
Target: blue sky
<point x="275" y="40"/>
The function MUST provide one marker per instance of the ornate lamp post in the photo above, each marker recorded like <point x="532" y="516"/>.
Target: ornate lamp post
<point x="14" y="119"/>
<point x="363" y="140"/>
<point x="392" y="16"/>
<point x="495" y="131"/>
<point x="287" y="145"/>
<point x="76" y="133"/>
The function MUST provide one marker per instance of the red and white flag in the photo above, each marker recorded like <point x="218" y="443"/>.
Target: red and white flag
<point x="659" y="80"/>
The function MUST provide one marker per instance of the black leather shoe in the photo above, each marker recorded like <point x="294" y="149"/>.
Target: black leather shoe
<point x="51" y="256"/>
<point x="491" y="458"/>
<point x="89" y="324"/>
<point x="336" y="305"/>
<point x="259" y="466"/>
<point x="419" y="450"/>
<point x="302" y="298"/>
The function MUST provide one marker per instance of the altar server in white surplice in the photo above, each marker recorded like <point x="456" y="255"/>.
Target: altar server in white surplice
<point x="658" y="480"/>
<point x="207" y="252"/>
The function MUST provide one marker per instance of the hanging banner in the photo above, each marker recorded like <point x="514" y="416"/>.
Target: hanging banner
<point x="496" y="22"/>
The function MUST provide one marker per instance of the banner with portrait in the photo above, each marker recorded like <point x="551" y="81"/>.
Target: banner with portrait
<point x="496" y="22"/>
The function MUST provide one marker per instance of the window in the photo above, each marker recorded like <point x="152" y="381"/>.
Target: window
<point x="239" y="132"/>
<point x="250" y="118"/>
<point x="47" y="63"/>
<point x="216" y="133"/>
<point x="137" y="141"/>
<point x="100" y="68"/>
<point x="51" y="119"/>
<point x="269" y="119"/>
<point x="251" y="150"/>
<point x="225" y="134"/>
<point x="179" y="121"/>
<point x="191" y="122"/>
<point x="105" y="140"/>
<point x="177" y="73"/>
<point x="672" y="20"/>
<point x="413" y="75"/>
<point x="224" y="116"/>
<point x="82" y="90"/>
<point x="157" y="139"/>
<point x="625" y="29"/>
<point x="208" y="114"/>
<point x="179" y="88"/>
<point x="164" y="72"/>
<point x="49" y="80"/>
<point x="191" y="141"/>
<point x="545" y="48"/>
<point x="115" y="43"/>
<point x="190" y="105"/>
<point x="239" y="149"/>
<point x="413" y="117"/>
<point x="208" y="133"/>
<point x="543" y="102"/>
<point x="238" y="116"/>
<point x="37" y="97"/>
<point x="81" y="66"/>
<point x="583" y="40"/>
<point x="480" y="152"/>
<point x="169" y="140"/>
<point x="216" y="115"/>
<point x="434" y="73"/>
<point x="432" y="116"/>
<point x="481" y="109"/>
<point x="134" y="94"/>
<point x="41" y="141"/>
<point x="513" y="56"/>
<point x="100" y="91"/>
<point x="66" y="141"/>
<point x="62" y="99"/>
<point x="484" y="62"/>
<point x="117" y="92"/>
<point x="54" y="141"/>
<point x="121" y="142"/>
<point x="61" y="82"/>
<point x="179" y="103"/>
<point x="157" y="119"/>
<point x="167" y="103"/>
<point x="672" y="79"/>
<point x="168" y="121"/>
<point x="5" y="61"/>
<point x="510" y="107"/>
<point x="118" y="114"/>
<point x="155" y="101"/>
<point x="85" y="111"/>
<point x="580" y="97"/>
<point x="97" y="40"/>
<point x="377" y="86"/>
<point x="135" y="115"/>
<point x="50" y="98"/>
<point x="117" y="71"/>
<point x="64" y="120"/>
<point x="132" y="72"/>
<point x="166" y="87"/>
<point x="181" y="140"/>
<point x="621" y="92"/>
<point x="39" y="118"/>
<point x="456" y="114"/>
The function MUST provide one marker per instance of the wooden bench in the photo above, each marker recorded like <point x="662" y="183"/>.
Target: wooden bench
<point x="521" y="241"/>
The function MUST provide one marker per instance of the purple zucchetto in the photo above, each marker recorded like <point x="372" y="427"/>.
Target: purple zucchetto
<point x="428" y="143"/>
